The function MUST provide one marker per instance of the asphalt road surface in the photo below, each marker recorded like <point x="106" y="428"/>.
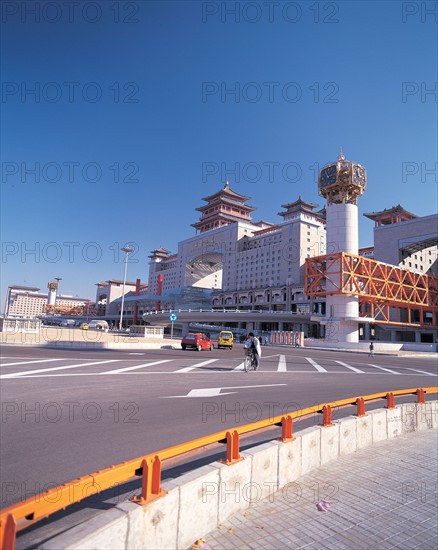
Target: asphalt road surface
<point x="68" y="413"/>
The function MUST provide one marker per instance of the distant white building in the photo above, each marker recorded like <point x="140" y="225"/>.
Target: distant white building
<point x="108" y="292"/>
<point x="26" y="302"/>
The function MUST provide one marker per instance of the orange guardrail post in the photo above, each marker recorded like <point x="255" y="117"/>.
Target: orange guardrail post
<point x="233" y="454"/>
<point x="390" y="401"/>
<point x="151" y="480"/>
<point x="156" y="476"/>
<point x="420" y="396"/>
<point x="286" y="428"/>
<point x="360" y="402"/>
<point x="327" y="416"/>
<point x="8" y="532"/>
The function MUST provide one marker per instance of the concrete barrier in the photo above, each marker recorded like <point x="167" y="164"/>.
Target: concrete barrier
<point x="134" y="344"/>
<point x="61" y="338"/>
<point x="198" y="501"/>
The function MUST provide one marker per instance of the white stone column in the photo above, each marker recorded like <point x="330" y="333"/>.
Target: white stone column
<point x="342" y="236"/>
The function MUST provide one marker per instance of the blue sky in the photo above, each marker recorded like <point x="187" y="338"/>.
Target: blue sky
<point x="133" y="120"/>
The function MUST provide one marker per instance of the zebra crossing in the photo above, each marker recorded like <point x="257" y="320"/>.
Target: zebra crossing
<point x="63" y="367"/>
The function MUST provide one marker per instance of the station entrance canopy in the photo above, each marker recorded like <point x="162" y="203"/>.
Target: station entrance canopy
<point x="387" y="294"/>
<point x="202" y="265"/>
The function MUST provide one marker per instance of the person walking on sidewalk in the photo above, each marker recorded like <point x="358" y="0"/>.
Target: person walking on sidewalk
<point x="371" y="353"/>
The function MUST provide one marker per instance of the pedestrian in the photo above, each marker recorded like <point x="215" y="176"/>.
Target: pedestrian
<point x="371" y="353"/>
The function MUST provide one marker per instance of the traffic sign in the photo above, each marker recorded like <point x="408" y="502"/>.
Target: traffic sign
<point x="173" y="317"/>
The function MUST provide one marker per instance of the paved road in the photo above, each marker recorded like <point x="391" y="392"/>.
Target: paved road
<point x="67" y="413"/>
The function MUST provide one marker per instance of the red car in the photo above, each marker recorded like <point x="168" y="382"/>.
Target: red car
<point x="196" y="341"/>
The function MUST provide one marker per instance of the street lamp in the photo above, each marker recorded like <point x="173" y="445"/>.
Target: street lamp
<point x="126" y="250"/>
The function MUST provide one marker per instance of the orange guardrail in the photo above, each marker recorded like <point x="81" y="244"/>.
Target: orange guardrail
<point x="21" y="515"/>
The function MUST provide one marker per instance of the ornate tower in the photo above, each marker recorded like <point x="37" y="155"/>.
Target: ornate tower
<point x="224" y="207"/>
<point x="341" y="183"/>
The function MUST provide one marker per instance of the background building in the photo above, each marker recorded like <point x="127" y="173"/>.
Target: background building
<point x="28" y="302"/>
<point x="246" y="264"/>
<point x="403" y="239"/>
<point x="250" y="265"/>
<point x="108" y="292"/>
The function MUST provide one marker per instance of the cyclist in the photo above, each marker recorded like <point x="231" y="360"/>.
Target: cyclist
<point x="253" y="344"/>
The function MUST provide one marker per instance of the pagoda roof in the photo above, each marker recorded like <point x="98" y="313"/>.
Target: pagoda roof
<point x="298" y="205"/>
<point x="221" y="215"/>
<point x="161" y="252"/>
<point x="264" y="222"/>
<point x="118" y="282"/>
<point x="267" y="230"/>
<point x="322" y="213"/>
<point x="226" y="191"/>
<point x="225" y="200"/>
<point x="388" y="211"/>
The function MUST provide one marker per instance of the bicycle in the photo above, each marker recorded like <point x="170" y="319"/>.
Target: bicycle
<point x="250" y="360"/>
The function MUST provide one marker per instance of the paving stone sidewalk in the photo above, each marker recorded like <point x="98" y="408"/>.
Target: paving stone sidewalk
<point x="378" y="498"/>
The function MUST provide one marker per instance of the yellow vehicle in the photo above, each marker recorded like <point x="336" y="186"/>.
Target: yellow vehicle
<point x="225" y="340"/>
<point x="85" y="326"/>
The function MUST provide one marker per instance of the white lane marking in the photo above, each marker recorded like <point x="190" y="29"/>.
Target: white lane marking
<point x="423" y="372"/>
<point x="282" y="364"/>
<point x="137" y="373"/>
<point x="241" y="366"/>
<point x="383" y="368"/>
<point x="117" y="371"/>
<point x="29" y="362"/>
<point x="354" y="369"/>
<point x="198" y="365"/>
<point x="212" y="392"/>
<point x="314" y="364"/>
<point x="37" y="371"/>
<point x="135" y="353"/>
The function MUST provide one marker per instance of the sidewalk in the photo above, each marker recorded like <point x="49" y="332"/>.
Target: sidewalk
<point x="70" y="338"/>
<point x="378" y="498"/>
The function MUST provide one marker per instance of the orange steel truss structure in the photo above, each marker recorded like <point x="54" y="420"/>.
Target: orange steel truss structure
<point x="386" y="293"/>
<point x="70" y="310"/>
<point x="25" y="513"/>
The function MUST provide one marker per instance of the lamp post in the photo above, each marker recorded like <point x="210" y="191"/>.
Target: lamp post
<point x="126" y="250"/>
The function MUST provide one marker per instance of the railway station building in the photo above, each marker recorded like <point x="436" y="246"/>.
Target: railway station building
<point x="244" y="264"/>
